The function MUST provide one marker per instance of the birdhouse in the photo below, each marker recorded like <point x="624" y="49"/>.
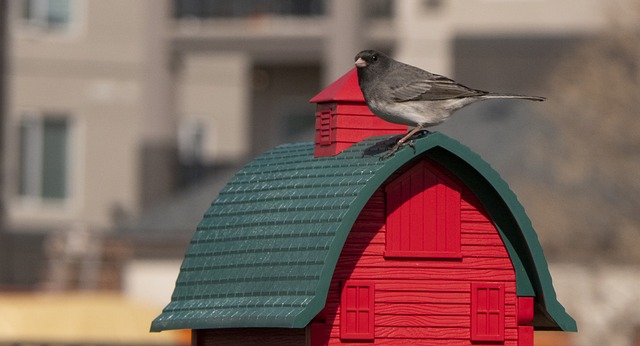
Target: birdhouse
<point x="324" y="244"/>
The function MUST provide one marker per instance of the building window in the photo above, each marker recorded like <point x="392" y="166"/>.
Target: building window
<point x="48" y="15"/>
<point x="356" y="311"/>
<point x="487" y="312"/>
<point x="191" y="138"/>
<point x="246" y="8"/>
<point x="191" y="151"/>
<point x="44" y="158"/>
<point x="423" y="214"/>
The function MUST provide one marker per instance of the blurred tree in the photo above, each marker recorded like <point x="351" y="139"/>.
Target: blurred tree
<point x="590" y="158"/>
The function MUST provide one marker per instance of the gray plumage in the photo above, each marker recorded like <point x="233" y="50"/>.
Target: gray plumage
<point x="404" y="94"/>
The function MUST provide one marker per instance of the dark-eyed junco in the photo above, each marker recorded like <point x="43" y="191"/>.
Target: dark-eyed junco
<point x="404" y="94"/>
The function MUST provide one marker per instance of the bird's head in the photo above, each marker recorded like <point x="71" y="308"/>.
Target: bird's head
<point x="371" y="63"/>
<point x="369" y="58"/>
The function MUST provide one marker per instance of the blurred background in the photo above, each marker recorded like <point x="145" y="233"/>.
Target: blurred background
<point x="121" y="120"/>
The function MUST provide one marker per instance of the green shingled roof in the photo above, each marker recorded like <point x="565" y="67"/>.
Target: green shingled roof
<point x="265" y="251"/>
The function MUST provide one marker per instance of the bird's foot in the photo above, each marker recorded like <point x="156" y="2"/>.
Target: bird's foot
<point x="397" y="147"/>
<point x="410" y="144"/>
<point x="390" y="152"/>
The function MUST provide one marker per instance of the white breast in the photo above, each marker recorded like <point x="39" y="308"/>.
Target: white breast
<point x="426" y="113"/>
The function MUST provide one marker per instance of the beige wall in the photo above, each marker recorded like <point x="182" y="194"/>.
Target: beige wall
<point x="213" y="90"/>
<point x="125" y="76"/>
<point x="424" y="34"/>
<point x="98" y="73"/>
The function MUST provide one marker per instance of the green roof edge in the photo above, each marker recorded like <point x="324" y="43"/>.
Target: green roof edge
<point x="535" y="265"/>
<point x="532" y="272"/>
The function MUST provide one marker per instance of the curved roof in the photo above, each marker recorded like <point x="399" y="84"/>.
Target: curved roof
<point x="265" y="251"/>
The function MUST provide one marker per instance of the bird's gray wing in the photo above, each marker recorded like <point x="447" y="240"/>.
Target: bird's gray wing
<point x="433" y="88"/>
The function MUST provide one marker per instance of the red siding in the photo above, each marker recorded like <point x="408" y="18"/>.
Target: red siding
<point x="525" y="318"/>
<point x="426" y="300"/>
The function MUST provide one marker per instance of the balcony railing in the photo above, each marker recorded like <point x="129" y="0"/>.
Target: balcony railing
<point x="210" y="9"/>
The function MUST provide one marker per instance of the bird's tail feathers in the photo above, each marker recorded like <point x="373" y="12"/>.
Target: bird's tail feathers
<point x="513" y="96"/>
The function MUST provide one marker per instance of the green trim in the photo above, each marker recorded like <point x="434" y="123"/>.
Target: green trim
<point x="516" y="230"/>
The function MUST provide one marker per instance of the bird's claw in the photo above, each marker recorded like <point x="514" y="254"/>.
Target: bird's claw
<point x="397" y="147"/>
<point x="410" y="143"/>
<point x="389" y="153"/>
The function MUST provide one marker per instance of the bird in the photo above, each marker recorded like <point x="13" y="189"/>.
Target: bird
<point x="404" y="94"/>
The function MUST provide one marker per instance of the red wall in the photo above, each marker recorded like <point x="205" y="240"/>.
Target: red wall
<point x="426" y="300"/>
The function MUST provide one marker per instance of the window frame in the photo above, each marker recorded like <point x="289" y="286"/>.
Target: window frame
<point x="31" y="170"/>
<point x="346" y="310"/>
<point x="38" y="14"/>
<point x="325" y="131"/>
<point x="476" y="330"/>
<point x="38" y="26"/>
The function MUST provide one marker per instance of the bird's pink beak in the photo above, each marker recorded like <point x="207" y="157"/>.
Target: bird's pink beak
<point x="361" y="63"/>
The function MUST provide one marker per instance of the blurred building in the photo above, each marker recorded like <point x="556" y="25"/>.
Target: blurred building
<point x="126" y="114"/>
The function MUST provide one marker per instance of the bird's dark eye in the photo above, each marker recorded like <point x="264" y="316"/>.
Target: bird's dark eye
<point x="374" y="57"/>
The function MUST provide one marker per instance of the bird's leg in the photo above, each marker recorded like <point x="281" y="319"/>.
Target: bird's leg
<point x="402" y="142"/>
<point x="418" y="134"/>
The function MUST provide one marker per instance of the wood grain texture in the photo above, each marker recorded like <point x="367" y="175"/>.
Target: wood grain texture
<point x="423" y="214"/>
<point x="424" y="301"/>
<point x="425" y="342"/>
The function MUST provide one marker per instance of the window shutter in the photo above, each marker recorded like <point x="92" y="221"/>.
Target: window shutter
<point x="326" y="117"/>
<point x="487" y="312"/>
<point x="356" y="311"/>
<point x="423" y="214"/>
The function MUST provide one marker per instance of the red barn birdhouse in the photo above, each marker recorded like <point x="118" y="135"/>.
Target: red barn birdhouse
<point x="324" y="243"/>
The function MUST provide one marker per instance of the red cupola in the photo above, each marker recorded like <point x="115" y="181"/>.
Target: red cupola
<point x="343" y="118"/>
